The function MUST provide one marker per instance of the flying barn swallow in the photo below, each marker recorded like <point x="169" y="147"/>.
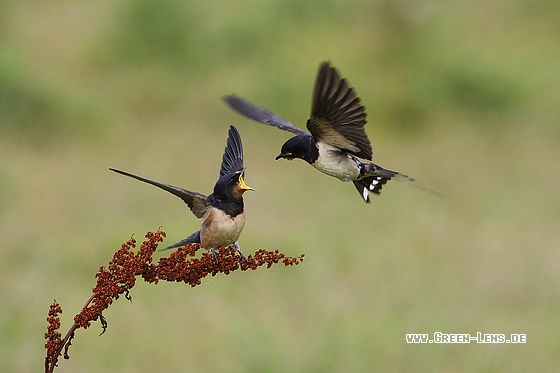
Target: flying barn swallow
<point x="222" y="211"/>
<point x="337" y="137"/>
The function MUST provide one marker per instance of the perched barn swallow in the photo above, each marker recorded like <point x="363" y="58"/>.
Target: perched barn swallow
<point x="222" y="211"/>
<point x="337" y="137"/>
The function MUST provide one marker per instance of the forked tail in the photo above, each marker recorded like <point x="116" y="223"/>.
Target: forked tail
<point x="376" y="176"/>
<point x="193" y="238"/>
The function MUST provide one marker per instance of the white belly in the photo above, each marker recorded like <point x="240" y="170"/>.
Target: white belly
<point x="219" y="230"/>
<point x="335" y="163"/>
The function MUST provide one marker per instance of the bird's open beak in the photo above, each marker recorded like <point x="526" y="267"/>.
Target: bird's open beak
<point x="243" y="185"/>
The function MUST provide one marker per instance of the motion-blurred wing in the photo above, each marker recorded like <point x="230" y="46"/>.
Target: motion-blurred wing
<point x="260" y="115"/>
<point x="198" y="203"/>
<point x="337" y="116"/>
<point x="232" y="160"/>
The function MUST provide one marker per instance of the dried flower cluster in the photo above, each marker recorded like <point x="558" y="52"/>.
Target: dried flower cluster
<point x="53" y="337"/>
<point x="120" y="276"/>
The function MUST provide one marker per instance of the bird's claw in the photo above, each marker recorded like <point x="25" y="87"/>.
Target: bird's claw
<point x="242" y="259"/>
<point x="215" y="256"/>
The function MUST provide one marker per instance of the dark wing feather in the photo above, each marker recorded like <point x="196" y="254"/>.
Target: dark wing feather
<point x="198" y="203"/>
<point x="337" y="116"/>
<point x="232" y="160"/>
<point x="260" y="115"/>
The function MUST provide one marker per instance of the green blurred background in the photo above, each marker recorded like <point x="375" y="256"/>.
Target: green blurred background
<point x="463" y="96"/>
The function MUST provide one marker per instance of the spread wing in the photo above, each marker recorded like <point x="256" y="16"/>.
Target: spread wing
<point x="338" y="117"/>
<point x="261" y="115"/>
<point x="198" y="203"/>
<point x="232" y="160"/>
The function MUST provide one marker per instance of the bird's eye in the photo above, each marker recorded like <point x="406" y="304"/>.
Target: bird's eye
<point x="232" y="180"/>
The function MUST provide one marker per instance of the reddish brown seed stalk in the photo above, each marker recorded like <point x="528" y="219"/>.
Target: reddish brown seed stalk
<point x="120" y="276"/>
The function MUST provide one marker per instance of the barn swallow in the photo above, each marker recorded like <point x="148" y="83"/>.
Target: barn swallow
<point x="222" y="211"/>
<point x="337" y="137"/>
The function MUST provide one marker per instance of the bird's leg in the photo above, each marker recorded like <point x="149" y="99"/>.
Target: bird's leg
<point x="242" y="257"/>
<point x="214" y="255"/>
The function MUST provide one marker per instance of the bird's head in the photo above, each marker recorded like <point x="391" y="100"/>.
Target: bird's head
<point x="231" y="187"/>
<point x="298" y="147"/>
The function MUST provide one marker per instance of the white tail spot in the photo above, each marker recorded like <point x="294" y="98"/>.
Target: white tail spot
<point x="365" y="194"/>
<point x="374" y="184"/>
